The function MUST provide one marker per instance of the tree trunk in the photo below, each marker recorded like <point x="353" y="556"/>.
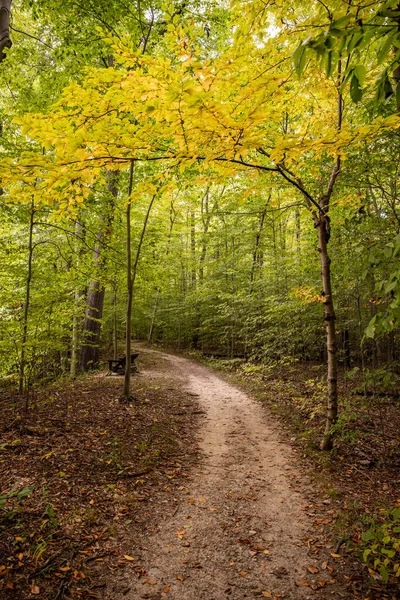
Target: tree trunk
<point x="329" y="318"/>
<point x="193" y="282"/>
<point x="90" y="352"/>
<point x="153" y="318"/>
<point x="76" y="318"/>
<point x="131" y="277"/>
<point x="5" y="41"/>
<point x="129" y="285"/>
<point x="115" y="330"/>
<point x="256" y="251"/>
<point x="22" y="364"/>
<point x="347" y="349"/>
<point x="298" y="235"/>
<point x="172" y="218"/>
<point x="206" y="217"/>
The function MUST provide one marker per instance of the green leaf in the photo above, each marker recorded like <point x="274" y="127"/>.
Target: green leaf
<point x="361" y="72"/>
<point x="387" y="252"/>
<point x="367" y="536"/>
<point x="355" y="89"/>
<point x="391" y="14"/>
<point x="299" y="57"/>
<point x="25" y="492"/>
<point x="384" y="89"/>
<point x="385" y="48"/>
<point x="370" y="331"/>
<point x="346" y="78"/>
<point x="391" y="286"/>
<point x="340" y="23"/>
<point x="366" y="553"/>
<point x="354" y="41"/>
<point x="328" y="63"/>
<point x="384" y="573"/>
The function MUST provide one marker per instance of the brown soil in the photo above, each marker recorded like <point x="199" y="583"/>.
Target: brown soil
<point x="95" y="467"/>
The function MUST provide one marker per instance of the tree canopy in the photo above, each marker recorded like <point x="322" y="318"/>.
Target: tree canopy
<point x="225" y="134"/>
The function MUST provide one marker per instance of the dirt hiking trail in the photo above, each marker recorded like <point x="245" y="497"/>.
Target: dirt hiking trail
<point x="241" y="527"/>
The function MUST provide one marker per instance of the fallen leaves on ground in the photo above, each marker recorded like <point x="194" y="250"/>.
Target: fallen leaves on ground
<point x="93" y="464"/>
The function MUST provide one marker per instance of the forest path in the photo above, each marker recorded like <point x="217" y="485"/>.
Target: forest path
<point x="240" y="529"/>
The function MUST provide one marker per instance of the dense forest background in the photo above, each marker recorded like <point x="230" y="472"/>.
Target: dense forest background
<point x="224" y="256"/>
<point x="214" y="177"/>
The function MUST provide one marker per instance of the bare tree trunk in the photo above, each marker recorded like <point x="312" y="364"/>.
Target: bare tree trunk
<point x="323" y="226"/>
<point x="22" y="364"/>
<point x="172" y="217"/>
<point x="153" y="318"/>
<point x="320" y="210"/>
<point x="129" y="285"/>
<point x="329" y="318"/>
<point x="76" y="320"/>
<point x="193" y="282"/>
<point x="131" y="277"/>
<point x="298" y="235"/>
<point x="5" y="41"/>
<point x="347" y="348"/>
<point x="256" y="251"/>
<point x="90" y="352"/>
<point x="75" y="337"/>
<point x="206" y="217"/>
<point x="115" y="330"/>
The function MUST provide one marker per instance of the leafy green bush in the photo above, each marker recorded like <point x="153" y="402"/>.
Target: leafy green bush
<point x="381" y="544"/>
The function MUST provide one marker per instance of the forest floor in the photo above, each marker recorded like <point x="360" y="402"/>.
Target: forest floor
<point x="193" y="491"/>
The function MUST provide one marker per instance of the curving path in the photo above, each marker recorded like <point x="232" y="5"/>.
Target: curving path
<point x="240" y="530"/>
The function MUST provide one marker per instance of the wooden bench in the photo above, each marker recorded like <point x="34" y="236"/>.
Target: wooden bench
<point x="118" y="365"/>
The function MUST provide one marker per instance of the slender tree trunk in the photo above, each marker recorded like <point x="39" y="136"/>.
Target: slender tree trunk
<point x="193" y="249"/>
<point x="76" y="320"/>
<point x="153" y="318"/>
<point x="5" y="41"/>
<point x="329" y="318"/>
<point x="193" y="282"/>
<point x="206" y="217"/>
<point x="115" y="329"/>
<point x="75" y="337"/>
<point x="131" y="272"/>
<point x="172" y="217"/>
<point x="256" y="251"/>
<point x="298" y="235"/>
<point x="276" y="266"/>
<point x="347" y="349"/>
<point x="22" y="364"/>
<point x="324" y="233"/>
<point x="129" y="285"/>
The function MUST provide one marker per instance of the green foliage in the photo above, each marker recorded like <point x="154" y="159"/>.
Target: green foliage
<point x="346" y="39"/>
<point x="381" y="380"/>
<point x="386" y="288"/>
<point x="342" y="428"/>
<point x="380" y="546"/>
